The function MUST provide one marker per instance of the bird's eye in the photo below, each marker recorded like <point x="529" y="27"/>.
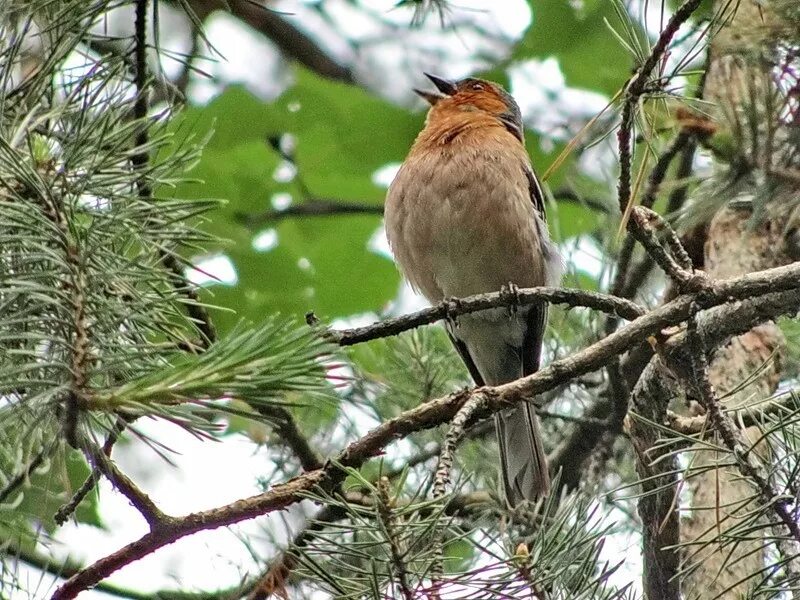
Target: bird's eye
<point x="477" y="87"/>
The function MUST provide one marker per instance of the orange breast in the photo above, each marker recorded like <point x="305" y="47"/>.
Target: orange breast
<point x="459" y="217"/>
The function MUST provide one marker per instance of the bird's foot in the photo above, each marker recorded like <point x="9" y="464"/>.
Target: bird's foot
<point x="452" y="308"/>
<point x="510" y="294"/>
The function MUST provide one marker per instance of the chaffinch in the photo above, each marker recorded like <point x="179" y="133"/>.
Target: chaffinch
<point x="465" y="215"/>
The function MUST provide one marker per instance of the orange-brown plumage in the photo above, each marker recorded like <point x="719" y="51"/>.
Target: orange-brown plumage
<point x="465" y="215"/>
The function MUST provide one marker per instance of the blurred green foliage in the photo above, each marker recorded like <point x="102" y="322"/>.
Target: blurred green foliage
<point x="339" y="135"/>
<point x="48" y="487"/>
<point x="578" y="35"/>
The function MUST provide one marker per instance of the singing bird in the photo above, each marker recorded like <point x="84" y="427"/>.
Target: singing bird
<point x="465" y="215"/>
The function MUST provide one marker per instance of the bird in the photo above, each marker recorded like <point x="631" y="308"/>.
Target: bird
<point x="464" y="215"/>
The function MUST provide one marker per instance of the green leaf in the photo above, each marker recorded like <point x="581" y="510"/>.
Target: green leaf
<point x="571" y="219"/>
<point x="588" y="53"/>
<point x="458" y="554"/>
<point x="342" y="135"/>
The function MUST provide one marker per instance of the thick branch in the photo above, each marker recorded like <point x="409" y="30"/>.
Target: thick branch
<point x="769" y="293"/>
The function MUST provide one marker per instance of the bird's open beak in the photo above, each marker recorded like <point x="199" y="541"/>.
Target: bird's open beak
<point x="445" y="87"/>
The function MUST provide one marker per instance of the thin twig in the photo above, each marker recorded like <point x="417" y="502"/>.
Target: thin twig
<point x="633" y="92"/>
<point x="290" y="40"/>
<point x="441" y="480"/>
<point x="67" y="568"/>
<point x="140" y="501"/>
<point x="621" y="286"/>
<point x="274" y="579"/>
<point x="326" y="207"/>
<point x="749" y="416"/>
<point x="312" y="207"/>
<point x="450" y="309"/>
<point x="140" y="160"/>
<point x="290" y="435"/>
<point x="676" y="263"/>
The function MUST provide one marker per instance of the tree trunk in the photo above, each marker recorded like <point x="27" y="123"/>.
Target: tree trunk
<point x="718" y="496"/>
<point x="734" y="246"/>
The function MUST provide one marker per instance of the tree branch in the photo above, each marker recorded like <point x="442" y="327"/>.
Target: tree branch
<point x="291" y="435"/>
<point x="452" y="308"/>
<point x="67" y="568"/>
<point x="476" y="403"/>
<point x="140" y="160"/>
<point x="769" y="293"/>
<point x="633" y="92"/>
<point x="388" y="520"/>
<point x="311" y="207"/>
<point x="274" y="579"/>
<point x="622" y="286"/>
<point x="290" y="40"/>
<point x="140" y="501"/>
<point x="63" y="513"/>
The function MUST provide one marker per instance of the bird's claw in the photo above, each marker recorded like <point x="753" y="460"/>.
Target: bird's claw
<point x="452" y="308"/>
<point x="510" y="293"/>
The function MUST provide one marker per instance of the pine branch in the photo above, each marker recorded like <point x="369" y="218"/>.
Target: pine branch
<point x="635" y="89"/>
<point x="455" y="434"/>
<point x="749" y="416"/>
<point x="675" y="262"/>
<point x="140" y="160"/>
<point x="765" y="294"/>
<point x="274" y="579"/>
<point x="290" y="435"/>
<point x="67" y="568"/>
<point x="622" y="285"/>
<point x="388" y="520"/>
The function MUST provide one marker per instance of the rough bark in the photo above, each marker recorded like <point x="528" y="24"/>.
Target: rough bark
<point x="733" y="247"/>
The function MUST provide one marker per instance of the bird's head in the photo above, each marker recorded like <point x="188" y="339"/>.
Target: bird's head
<point x="473" y="94"/>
